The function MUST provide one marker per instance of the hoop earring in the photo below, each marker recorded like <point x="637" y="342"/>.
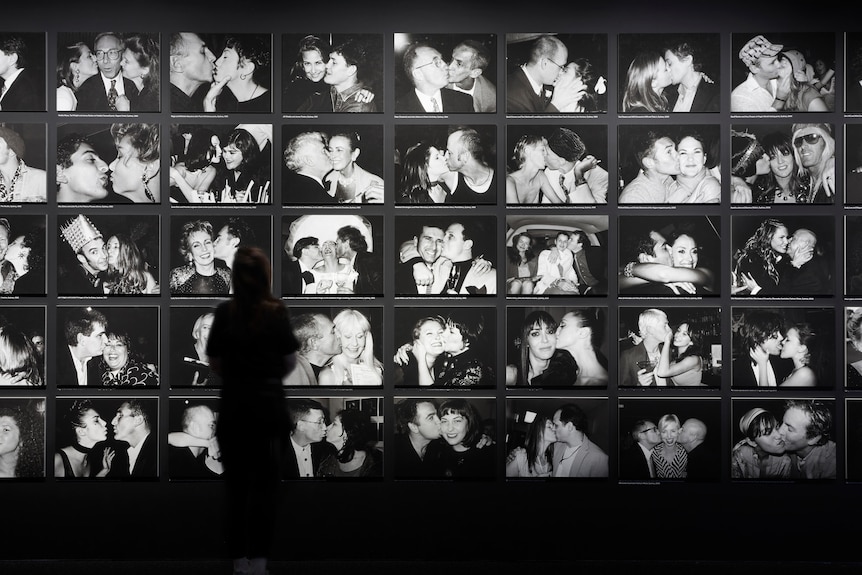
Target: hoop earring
<point x="244" y="76"/>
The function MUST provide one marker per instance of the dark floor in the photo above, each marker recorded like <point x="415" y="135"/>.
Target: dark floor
<point x="425" y="567"/>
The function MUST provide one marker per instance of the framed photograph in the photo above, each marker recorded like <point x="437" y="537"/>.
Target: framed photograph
<point x="189" y="333"/>
<point x="24" y="72"/>
<point x="853" y="419"/>
<point x="332" y="255"/>
<point x="107" y="346"/>
<point x="193" y="447"/>
<point x="221" y="164"/>
<point x="22" y="346"/>
<point x="23" y="176"/>
<point x="23" y="252"/>
<point x="22" y="451"/>
<point x="108" y="72"/>
<point x="853" y="346"/>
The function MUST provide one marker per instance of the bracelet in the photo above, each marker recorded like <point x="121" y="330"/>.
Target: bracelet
<point x="580" y="182"/>
<point x="627" y="271"/>
<point x="780" y="99"/>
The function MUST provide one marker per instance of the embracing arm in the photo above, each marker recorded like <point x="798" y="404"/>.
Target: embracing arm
<point x="661" y="273"/>
<point x="679" y="367"/>
<point x="550" y="192"/>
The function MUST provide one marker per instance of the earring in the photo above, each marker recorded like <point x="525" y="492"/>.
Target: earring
<point x="244" y="76"/>
<point x="145" y="180"/>
<point x="77" y="76"/>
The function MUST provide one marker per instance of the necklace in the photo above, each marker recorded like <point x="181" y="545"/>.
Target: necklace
<point x="80" y="448"/>
<point x="7" y="194"/>
<point x="569" y="456"/>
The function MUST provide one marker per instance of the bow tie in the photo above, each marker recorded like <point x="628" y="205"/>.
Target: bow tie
<point x="308" y="277"/>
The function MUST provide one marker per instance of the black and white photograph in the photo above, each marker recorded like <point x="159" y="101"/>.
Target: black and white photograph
<point x="557" y="437"/>
<point x="22" y="438"/>
<point x="782" y="256"/>
<point x="556" y="165"/>
<point x="853" y="59"/>
<point x="670" y="439"/>
<point x="223" y="73"/>
<point x="107" y="346"/>
<point x="108" y="164"/>
<point x="557" y="347"/>
<point x="22" y="346"/>
<point x="661" y="73"/>
<point x="108" y="72"/>
<point x="203" y="248"/>
<point x="332" y="164"/>
<point x="669" y="255"/>
<point x="853" y="425"/>
<point x="853" y="346"/>
<point x="327" y="72"/>
<point x="853" y="163"/>
<point x="669" y="347"/>
<point x="23" y="149"/>
<point x="343" y="434"/>
<point x="556" y="255"/>
<point x="445" y="255"/>
<point x="22" y="254"/>
<point x="445" y="438"/>
<point x="221" y="164"/>
<point x="332" y="255"/>
<point x="782" y="72"/>
<point x="445" y="347"/>
<point x="783" y="348"/>
<point x="339" y="346"/>
<point x="193" y="447"/>
<point x="792" y="439"/>
<point x="445" y="73"/>
<point x="100" y="255"/>
<point x="189" y="333"/>
<point x="852" y="255"/>
<point x="438" y="164"/>
<point x="96" y="438"/>
<point x="23" y="72"/>
<point x="676" y="164"/>
<point x="783" y="164"/>
<point x="556" y="73"/>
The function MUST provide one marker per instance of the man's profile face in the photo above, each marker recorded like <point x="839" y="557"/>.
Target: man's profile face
<point x="203" y="424"/>
<point x="768" y="66"/>
<point x="554" y="65"/>
<point x="87" y="174"/>
<point x="686" y="433"/>
<point x="313" y="425"/>
<point x="8" y="62"/>
<point x="454" y="151"/>
<point x="561" y="430"/>
<point x="648" y="435"/>
<point x="328" y="342"/>
<point x="93" y="344"/>
<point x="312" y="252"/>
<point x="431" y="67"/>
<point x="553" y="160"/>
<point x="676" y="66"/>
<point x="427" y="421"/>
<point x="93" y="257"/>
<point x="104" y="47"/>
<point x="198" y="59"/>
<point x="337" y="70"/>
<point x="454" y="242"/>
<point x="665" y="157"/>
<point x="793" y="430"/>
<point x="223" y="245"/>
<point x="461" y="64"/>
<point x="430" y="244"/>
<point x="659" y="326"/>
<point x="4" y="241"/>
<point x="316" y="159"/>
<point x="773" y="344"/>
<point x="124" y="423"/>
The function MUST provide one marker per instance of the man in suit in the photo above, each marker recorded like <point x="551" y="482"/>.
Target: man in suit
<point x="351" y="246"/>
<point x="318" y="344"/>
<point x="805" y="276"/>
<point x="307" y="447"/>
<point x="757" y="364"/>
<point x="691" y="90"/>
<point x="574" y="454"/>
<point x="636" y="459"/>
<point x="107" y="91"/>
<point x="539" y="86"/>
<point x="195" y="461"/>
<point x="429" y="75"/>
<point x="307" y="162"/>
<point x="469" y="60"/>
<point x="573" y="172"/>
<point x="456" y="273"/>
<point x="296" y="273"/>
<point x="21" y="89"/>
<point x="703" y="460"/>
<point x="132" y="425"/>
<point x="652" y="326"/>
<point x="84" y="329"/>
<point x="191" y="72"/>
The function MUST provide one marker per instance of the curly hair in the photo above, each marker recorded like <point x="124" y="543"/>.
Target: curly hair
<point x="188" y="229"/>
<point x="130" y="274"/>
<point x="17" y="355"/>
<point x="144" y="138"/>
<point x="31" y="446"/>
<point x="360" y="431"/>
<point x="759" y="246"/>
<point x="146" y="52"/>
<point x="252" y="48"/>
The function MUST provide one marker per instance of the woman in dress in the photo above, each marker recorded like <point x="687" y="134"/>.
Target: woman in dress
<point x="356" y="359"/>
<point x="348" y="182"/>
<point x="242" y="77"/>
<point x="240" y="180"/>
<point x="202" y="274"/>
<point x="758" y="261"/>
<point x="354" y="436"/>
<point x="141" y="65"/>
<point x="761" y="453"/>
<point x="803" y="346"/>
<point x="646" y="78"/>
<point x="461" y="428"/>
<point x="693" y="175"/>
<point x="75" y="64"/>
<point x="128" y="273"/>
<point x="193" y="176"/>
<point x="22" y="437"/>
<point x="332" y="275"/>
<point x="119" y="367"/>
<point x="521" y="265"/>
<point x="541" y="364"/>
<point x="462" y="363"/>
<point x="425" y="177"/>
<point x="89" y="429"/>
<point x="26" y="254"/>
<point x="19" y="363"/>
<point x="576" y="335"/>
<point x="681" y="359"/>
<point x="528" y="184"/>
<point x="135" y="171"/>
<point x="785" y="183"/>
<point x="669" y="457"/>
<point x="536" y="457"/>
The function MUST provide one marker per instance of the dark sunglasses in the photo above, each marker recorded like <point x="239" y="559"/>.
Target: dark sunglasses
<point x="809" y="139"/>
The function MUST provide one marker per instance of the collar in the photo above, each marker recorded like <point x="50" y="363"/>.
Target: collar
<point x="537" y="88"/>
<point x="425" y="100"/>
<point x="119" y="86"/>
<point x="7" y="83"/>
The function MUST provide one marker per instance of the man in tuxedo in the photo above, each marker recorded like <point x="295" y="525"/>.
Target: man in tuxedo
<point x="636" y="459"/>
<point x="805" y="276"/>
<point x="107" y="91"/>
<point x="469" y="60"/>
<point x="429" y="76"/>
<point x="307" y="163"/>
<point x="84" y="329"/>
<point x="307" y="447"/>
<point x="318" y="343"/>
<point x="351" y="246"/>
<point x="758" y="365"/>
<point x="456" y="273"/>
<point x="539" y="86"/>
<point x="21" y="89"/>
<point x="574" y="454"/>
<point x="191" y="72"/>
<point x="132" y="425"/>
<point x="296" y="273"/>
<point x="573" y="172"/>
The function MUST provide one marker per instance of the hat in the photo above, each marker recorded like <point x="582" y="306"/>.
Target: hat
<point x="745" y="420"/>
<point x="797" y="60"/>
<point x="79" y="232"/>
<point x="13" y="140"/>
<point x="566" y="144"/>
<point x="758" y="47"/>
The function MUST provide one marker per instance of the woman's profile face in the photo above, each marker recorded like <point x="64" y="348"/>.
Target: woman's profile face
<point x="780" y="239"/>
<point x="541" y="341"/>
<point x="232" y="157"/>
<point x="115" y="354"/>
<point x="453" y="426"/>
<point x="781" y="163"/>
<point x="684" y="252"/>
<point x="87" y="63"/>
<point x="431" y="337"/>
<point x="10" y="435"/>
<point x="201" y="248"/>
<point x="791" y="344"/>
<point x="771" y="442"/>
<point x="682" y="337"/>
<point x="567" y="330"/>
<point x="352" y="342"/>
<point x="340" y="152"/>
<point x="669" y="432"/>
<point x="436" y="163"/>
<point x="549" y="434"/>
<point x="662" y="77"/>
<point x="535" y="154"/>
<point x="131" y="68"/>
<point x="453" y="341"/>
<point x="127" y="171"/>
<point x="227" y="65"/>
<point x="95" y="427"/>
<point x="313" y="65"/>
<point x="112" y="248"/>
<point x="692" y="158"/>
<point x="335" y="433"/>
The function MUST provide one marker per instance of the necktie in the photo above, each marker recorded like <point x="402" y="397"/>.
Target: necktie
<point x="435" y="107"/>
<point x="2" y="87"/>
<point x="112" y="96"/>
<point x="307" y="277"/>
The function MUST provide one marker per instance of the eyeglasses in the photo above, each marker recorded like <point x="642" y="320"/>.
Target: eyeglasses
<point x="437" y="61"/>
<point x="648" y="429"/>
<point x="809" y="139"/>
<point x="319" y="422"/>
<point x="555" y="64"/>
<point x="112" y="54"/>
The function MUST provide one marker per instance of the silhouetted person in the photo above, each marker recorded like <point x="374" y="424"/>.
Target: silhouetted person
<point x="251" y="347"/>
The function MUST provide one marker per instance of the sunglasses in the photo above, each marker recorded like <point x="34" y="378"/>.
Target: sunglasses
<point x="808" y="138"/>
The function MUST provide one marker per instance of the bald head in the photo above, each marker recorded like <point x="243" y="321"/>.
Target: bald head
<point x="692" y="433"/>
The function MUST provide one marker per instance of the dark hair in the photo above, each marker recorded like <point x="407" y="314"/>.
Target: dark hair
<point x="146" y="52"/>
<point x="136" y="406"/>
<point x="241" y="230"/>
<point x="18" y="355"/>
<point x="535" y="435"/>
<point x="35" y="240"/>
<point x="470" y="330"/>
<point x="757" y="326"/>
<point x="360" y="431"/>
<point x="766" y="185"/>
<point x="15" y="45"/>
<point x="584" y="68"/>
<point x="406" y="412"/>
<point x="303" y="243"/>
<point x="644" y="144"/>
<point x="354" y="238"/>
<point x="571" y="413"/>
<point x="247" y="146"/>
<point x="252" y="277"/>
<point x="69" y="55"/>
<point x="512" y="251"/>
<point x="535" y="318"/>
<point x="683" y="48"/>
<point x="415" y="183"/>
<point x="31" y="428"/>
<point x="297" y="408"/>
<point x="66" y="148"/>
<point x="694" y="349"/>
<point x="819" y="415"/>
<point x="354" y="52"/>
<point x="639" y="92"/>
<point x="252" y="48"/>
<point x="200" y="150"/>
<point x="81" y="320"/>
<point x="762" y="424"/>
<point x="468" y="411"/>
<point x="759" y="246"/>
<point x="309" y="43"/>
